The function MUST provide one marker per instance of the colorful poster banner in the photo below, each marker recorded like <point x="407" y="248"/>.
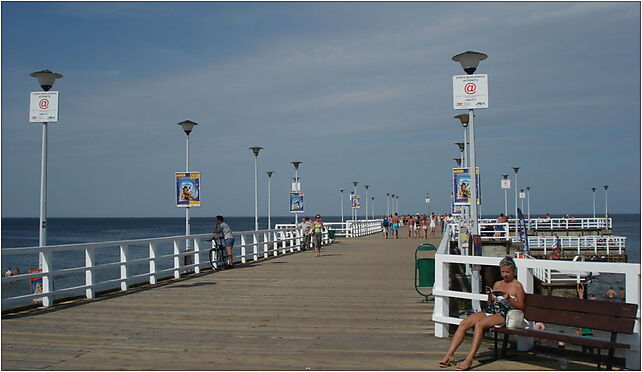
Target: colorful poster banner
<point x="296" y="202"/>
<point x="461" y="186"/>
<point x="188" y="189"/>
<point x="355" y="201"/>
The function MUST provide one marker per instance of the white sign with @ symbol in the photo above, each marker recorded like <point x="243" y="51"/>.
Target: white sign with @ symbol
<point x="470" y="91"/>
<point x="43" y="107"/>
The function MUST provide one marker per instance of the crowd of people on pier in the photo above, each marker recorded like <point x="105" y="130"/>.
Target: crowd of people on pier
<point x="10" y="272"/>
<point x="417" y="224"/>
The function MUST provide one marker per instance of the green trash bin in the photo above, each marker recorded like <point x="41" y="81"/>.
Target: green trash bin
<point x="424" y="269"/>
<point x="331" y="234"/>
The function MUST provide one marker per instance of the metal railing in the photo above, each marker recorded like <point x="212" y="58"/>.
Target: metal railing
<point x="121" y="264"/>
<point x="593" y="244"/>
<point x="561" y="223"/>
<point x="525" y="274"/>
<point x="349" y="228"/>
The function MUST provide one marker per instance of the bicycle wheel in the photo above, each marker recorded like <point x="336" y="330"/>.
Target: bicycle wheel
<point x="215" y="259"/>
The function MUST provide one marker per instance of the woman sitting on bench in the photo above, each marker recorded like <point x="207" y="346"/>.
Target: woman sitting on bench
<point x="506" y="294"/>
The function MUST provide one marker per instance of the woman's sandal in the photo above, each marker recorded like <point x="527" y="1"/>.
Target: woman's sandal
<point x="450" y="362"/>
<point x="463" y="369"/>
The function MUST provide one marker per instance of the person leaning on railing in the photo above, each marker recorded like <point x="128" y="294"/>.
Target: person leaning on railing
<point x="507" y="294"/>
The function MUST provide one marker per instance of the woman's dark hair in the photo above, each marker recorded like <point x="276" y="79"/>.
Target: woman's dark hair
<point x="220" y="218"/>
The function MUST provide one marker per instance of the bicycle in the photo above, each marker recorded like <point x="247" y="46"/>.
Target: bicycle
<point x="218" y="254"/>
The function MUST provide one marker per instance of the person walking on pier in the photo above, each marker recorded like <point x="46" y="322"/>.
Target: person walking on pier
<point x="424" y="226"/>
<point x="222" y="230"/>
<point x="395" y="225"/>
<point x="506" y="294"/>
<point x="386" y="224"/>
<point x="433" y="224"/>
<point x="317" y="227"/>
<point x="306" y="230"/>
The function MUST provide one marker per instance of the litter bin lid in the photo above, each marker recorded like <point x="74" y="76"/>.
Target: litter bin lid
<point x="426" y="247"/>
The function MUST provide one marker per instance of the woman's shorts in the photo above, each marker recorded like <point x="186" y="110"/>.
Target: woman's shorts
<point x="229" y="242"/>
<point x="395" y="226"/>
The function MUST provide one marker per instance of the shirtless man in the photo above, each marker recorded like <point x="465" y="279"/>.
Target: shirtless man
<point x="395" y="225"/>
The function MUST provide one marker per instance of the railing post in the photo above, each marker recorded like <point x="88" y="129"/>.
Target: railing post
<point x="243" y="250"/>
<point x="197" y="256"/>
<point x="124" y="253"/>
<point x="177" y="260"/>
<point x="284" y="242"/>
<point x="152" y="263"/>
<point x="255" y="246"/>
<point x="632" y="295"/>
<point x="47" y="280"/>
<point x="89" y="272"/>
<point x="442" y="308"/>
<point x="266" y="243"/>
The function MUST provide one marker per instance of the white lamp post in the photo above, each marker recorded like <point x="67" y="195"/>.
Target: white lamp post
<point x="341" y="193"/>
<point x="506" y="186"/>
<point x="397" y="197"/>
<point x="593" y="188"/>
<point x="515" y="169"/>
<point x="46" y="81"/>
<point x="528" y="202"/>
<point x="522" y="196"/>
<point x="393" y="203"/>
<point x="366" y="186"/>
<point x="388" y="203"/>
<point x="354" y="210"/>
<point x="464" y="120"/>
<point x="255" y="151"/>
<point x="296" y="181"/>
<point x="373" y="208"/>
<point x="428" y="202"/>
<point x="606" y="202"/>
<point x="469" y="62"/>
<point x="269" y="174"/>
<point x="187" y="126"/>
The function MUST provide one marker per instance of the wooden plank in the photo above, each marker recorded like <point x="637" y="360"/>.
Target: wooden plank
<point x="603" y="307"/>
<point x="581" y="320"/>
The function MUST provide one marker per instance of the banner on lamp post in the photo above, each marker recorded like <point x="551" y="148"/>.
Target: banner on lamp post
<point x="296" y="202"/>
<point x="188" y="189"/>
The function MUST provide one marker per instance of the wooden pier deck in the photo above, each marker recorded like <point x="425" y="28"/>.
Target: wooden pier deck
<point x="353" y="308"/>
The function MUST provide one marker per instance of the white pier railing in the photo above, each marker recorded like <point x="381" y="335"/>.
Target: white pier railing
<point x="561" y="223"/>
<point x="525" y="274"/>
<point x="592" y="244"/>
<point x="349" y="228"/>
<point x="121" y="264"/>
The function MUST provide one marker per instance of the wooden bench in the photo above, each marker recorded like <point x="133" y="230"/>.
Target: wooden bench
<point x="614" y="317"/>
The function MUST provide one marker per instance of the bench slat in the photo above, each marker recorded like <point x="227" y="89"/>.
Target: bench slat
<point x="581" y="320"/>
<point x="584" y="306"/>
<point x="570" y="339"/>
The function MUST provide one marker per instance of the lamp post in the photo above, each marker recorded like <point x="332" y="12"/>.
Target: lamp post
<point x="354" y="210"/>
<point x="458" y="161"/>
<point x="373" y="208"/>
<point x="593" y="188"/>
<point x="255" y="151"/>
<point x="351" y="208"/>
<point x="469" y="62"/>
<point x="269" y="174"/>
<point x="464" y="120"/>
<point x="366" y="186"/>
<point x="187" y="126"/>
<point x="46" y="81"/>
<point x="428" y="202"/>
<point x="606" y="202"/>
<point x="397" y="197"/>
<point x="388" y="203"/>
<point x="528" y="202"/>
<point x="341" y="193"/>
<point x="393" y="203"/>
<point x="515" y="169"/>
<point x="505" y="186"/>
<point x="298" y="186"/>
<point x="522" y="196"/>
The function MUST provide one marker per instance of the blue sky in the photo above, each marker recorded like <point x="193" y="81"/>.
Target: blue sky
<point x="356" y="91"/>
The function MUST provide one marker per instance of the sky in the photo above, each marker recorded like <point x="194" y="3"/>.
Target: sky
<point x="355" y="91"/>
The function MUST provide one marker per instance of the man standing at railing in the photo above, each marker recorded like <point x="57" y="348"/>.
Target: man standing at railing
<point x="306" y="230"/>
<point x="222" y="230"/>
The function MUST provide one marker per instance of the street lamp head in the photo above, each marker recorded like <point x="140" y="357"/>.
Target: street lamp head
<point x="187" y="125"/>
<point x="463" y="118"/>
<point x="296" y="164"/>
<point x="269" y="173"/>
<point x="515" y="169"/>
<point x="46" y="78"/>
<point x="606" y="187"/>
<point x="366" y="186"/>
<point x="341" y="191"/>
<point x="256" y="150"/>
<point x="355" y="183"/>
<point x="458" y="161"/>
<point x="505" y="176"/>
<point x="460" y="145"/>
<point x="528" y="188"/>
<point x="593" y="188"/>
<point x="387" y="194"/>
<point x="469" y="60"/>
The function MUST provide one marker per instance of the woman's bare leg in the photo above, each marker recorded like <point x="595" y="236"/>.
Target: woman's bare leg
<point x="458" y="337"/>
<point x="480" y="326"/>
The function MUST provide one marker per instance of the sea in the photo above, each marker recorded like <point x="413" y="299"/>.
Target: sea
<point x="23" y="232"/>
